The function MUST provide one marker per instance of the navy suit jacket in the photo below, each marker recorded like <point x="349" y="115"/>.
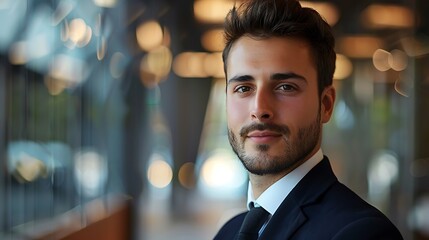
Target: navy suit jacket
<point x="319" y="208"/>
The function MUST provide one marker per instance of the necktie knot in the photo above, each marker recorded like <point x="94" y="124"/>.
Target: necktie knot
<point x="252" y="223"/>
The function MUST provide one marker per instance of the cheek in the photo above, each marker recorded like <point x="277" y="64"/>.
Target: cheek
<point x="236" y="114"/>
<point x="302" y="112"/>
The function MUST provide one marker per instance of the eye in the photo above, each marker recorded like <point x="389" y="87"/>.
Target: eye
<point x="287" y="87"/>
<point x="242" y="89"/>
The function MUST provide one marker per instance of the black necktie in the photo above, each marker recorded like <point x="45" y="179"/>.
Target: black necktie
<point x="252" y="223"/>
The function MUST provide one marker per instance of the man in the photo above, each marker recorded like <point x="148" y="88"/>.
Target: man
<point x="279" y="62"/>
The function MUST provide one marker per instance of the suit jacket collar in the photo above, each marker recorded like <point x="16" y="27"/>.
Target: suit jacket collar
<point x="290" y="216"/>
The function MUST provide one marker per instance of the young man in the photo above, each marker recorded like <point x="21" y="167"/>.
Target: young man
<point x="279" y="62"/>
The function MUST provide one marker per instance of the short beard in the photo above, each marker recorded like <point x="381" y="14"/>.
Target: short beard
<point x="296" y="149"/>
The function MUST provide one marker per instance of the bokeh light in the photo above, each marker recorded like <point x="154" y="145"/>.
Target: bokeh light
<point x="155" y="66"/>
<point x="212" y="11"/>
<point x="398" y="60"/>
<point x="221" y="173"/>
<point x="159" y="173"/>
<point x="213" y="65"/>
<point x="327" y="10"/>
<point x="344" y="67"/>
<point x="187" y="175"/>
<point x="380" y="59"/>
<point x="213" y="40"/>
<point x="149" y="35"/>
<point x="90" y="170"/>
<point x="378" y="16"/>
<point x="77" y="30"/>
<point x="105" y="3"/>
<point x="359" y="46"/>
<point x="190" y="64"/>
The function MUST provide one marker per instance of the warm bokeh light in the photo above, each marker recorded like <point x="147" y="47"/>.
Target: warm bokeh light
<point x="159" y="173"/>
<point x="76" y="33"/>
<point x="198" y="65"/>
<point x="187" y="175"/>
<point x="380" y="60"/>
<point x="212" y="11"/>
<point x="105" y="3"/>
<point x="213" y="40"/>
<point x="86" y="38"/>
<point x="77" y="30"/>
<point x="155" y="66"/>
<point x="398" y="60"/>
<point x="344" y="67"/>
<point x="213" y="65"/>
<point x="384" y="60"/>
<point x="149" y="35"/>
<point x="29" y="168"/>
<point x="190" y="65"/>
<point x="359" y="46"/>
<point x="377" y="16"/>
<point x="327" y="10"/>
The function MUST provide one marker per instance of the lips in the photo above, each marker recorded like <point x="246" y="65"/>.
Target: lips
<point x="263" y="136"/>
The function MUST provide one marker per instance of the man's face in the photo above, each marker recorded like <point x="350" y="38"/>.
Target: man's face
<point x="274" y="112"/>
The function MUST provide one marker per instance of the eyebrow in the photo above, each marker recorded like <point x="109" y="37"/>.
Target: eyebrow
<point x="241" y="78"/>
<point x="284" y="76"/>
<point x="275" y="76"/>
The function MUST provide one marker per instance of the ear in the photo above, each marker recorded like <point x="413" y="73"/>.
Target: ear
<point x="327" y="101"/>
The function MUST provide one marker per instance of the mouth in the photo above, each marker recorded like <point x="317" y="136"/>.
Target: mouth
<point x="264" y="133"/>
<point x="263" y="137"/>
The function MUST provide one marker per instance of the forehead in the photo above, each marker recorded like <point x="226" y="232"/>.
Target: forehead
<point x="275" y="54"/>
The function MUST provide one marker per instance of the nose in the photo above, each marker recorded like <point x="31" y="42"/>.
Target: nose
<point x="262" y="106"/>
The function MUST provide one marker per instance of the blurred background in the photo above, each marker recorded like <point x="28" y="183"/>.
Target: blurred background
<point x="112" y="116"/>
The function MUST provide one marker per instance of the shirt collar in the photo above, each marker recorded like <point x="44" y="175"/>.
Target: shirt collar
<point x="271" y="198"/>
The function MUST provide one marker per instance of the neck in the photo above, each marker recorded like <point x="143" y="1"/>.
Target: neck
<point x="260" y="183"/>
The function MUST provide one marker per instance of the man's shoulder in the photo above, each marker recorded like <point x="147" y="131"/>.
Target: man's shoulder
<point x="371" y="227"/>
<point x="333" y="209"/>
<point x="349" y="215"/>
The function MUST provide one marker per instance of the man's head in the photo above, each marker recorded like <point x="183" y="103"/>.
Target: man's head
<point x="283" y="18"/>
<point x="279" y="63"/>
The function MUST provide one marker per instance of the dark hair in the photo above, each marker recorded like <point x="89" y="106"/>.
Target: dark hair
<point x="283" y="18"/>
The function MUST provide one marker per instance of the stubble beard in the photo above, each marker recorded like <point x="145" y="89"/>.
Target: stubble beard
<point x="295" y="152"/>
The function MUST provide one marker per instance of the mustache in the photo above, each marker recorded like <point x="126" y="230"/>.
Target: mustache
<point x="283" y="129"/>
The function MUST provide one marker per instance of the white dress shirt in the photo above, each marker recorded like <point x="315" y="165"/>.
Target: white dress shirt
<point x="271" y="198"/>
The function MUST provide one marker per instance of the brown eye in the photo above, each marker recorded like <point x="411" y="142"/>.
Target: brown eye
<point x="287" y="87"/>
<point x="242" y="89"/>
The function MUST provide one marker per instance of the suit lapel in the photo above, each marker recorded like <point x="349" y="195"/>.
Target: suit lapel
<point x="289" y="217"/>
<point x="284" y="222"/>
